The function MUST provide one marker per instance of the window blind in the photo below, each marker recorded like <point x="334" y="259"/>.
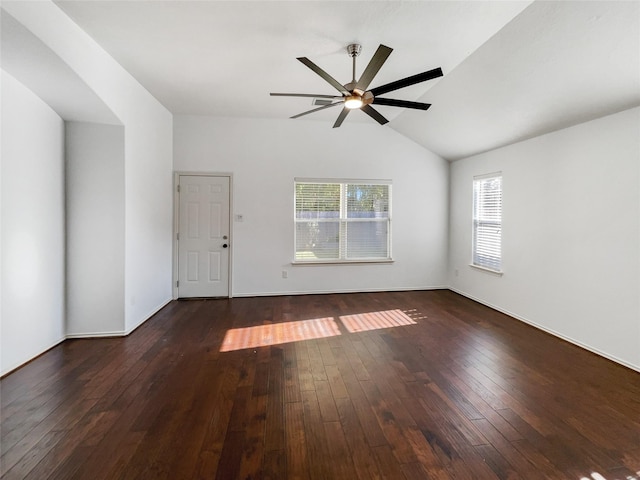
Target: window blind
<point x="487" y="222"/>
<point x="342" y="221"/>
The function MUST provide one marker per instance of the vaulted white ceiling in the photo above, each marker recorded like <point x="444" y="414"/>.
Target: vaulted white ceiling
<point x="513" y="70"/>
<point x="29" y="60"/>
<point x="557" y="64"/>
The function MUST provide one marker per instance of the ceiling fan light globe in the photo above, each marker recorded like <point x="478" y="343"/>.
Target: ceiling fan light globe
<point x="352" y="102"/>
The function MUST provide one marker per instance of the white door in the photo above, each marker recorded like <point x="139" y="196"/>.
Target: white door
<point x="203" y="236"/>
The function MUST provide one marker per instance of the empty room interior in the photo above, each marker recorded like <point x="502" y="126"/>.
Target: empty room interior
<point x="320" y="239"/>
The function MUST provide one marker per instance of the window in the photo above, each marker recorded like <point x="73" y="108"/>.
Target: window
<point x="342" y="221"/>
<point x="487" y="222"/>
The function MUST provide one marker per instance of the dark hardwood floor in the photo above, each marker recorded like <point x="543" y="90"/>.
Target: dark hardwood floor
<point x="463" y="392"/>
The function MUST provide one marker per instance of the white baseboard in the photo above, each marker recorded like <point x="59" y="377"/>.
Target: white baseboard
<point x="122" y="333"/>
<point x="6" y="371"/>
<point x="119" y="333"/>
<point x="591" y="349"/>
<point x="326" y="292"/>
<point x="149" y="315"/>
<point x="115" y="333"/>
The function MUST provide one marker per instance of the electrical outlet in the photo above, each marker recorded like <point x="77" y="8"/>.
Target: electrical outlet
<point x="285" y="274"/>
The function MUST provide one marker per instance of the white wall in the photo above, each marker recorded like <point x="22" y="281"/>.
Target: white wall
<point x="571" y="234"/>
<point x="32" y="226"/>
<point x="264" y="156"/>
<point x="94" y="229"/>
<point x="148" y="212"/>
<point x="148" y="154"/>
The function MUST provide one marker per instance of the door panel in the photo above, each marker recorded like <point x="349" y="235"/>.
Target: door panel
<point x="215" y="264"/>
<point x="203" y="236"/>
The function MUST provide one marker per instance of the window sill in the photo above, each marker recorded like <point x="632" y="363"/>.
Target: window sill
<point x="297" y="263"/>
<point x="497" y="273"/>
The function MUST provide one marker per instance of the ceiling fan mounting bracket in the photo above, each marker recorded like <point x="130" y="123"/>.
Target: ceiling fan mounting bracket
<point x="354" y="49"/>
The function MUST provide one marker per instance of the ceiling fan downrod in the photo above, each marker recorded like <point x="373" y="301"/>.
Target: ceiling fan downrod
<point x="354" y="50"/>
<point x="354" y="100"/>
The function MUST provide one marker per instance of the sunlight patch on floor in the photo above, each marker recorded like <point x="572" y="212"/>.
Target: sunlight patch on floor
<point x="375" y="320"/>
<point x="287" y="332"/>
<point x="277" y="333"/>
<point x="597" y="476"/>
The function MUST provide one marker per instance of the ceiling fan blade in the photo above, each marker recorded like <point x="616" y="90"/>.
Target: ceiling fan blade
<point x="328" y="78"/>
<point x="317" y="109"/>
<point x="312" y="95"/>
<point x="343" y="114"/>
<point x="406" y="82"/>
<point x="391" y="102"/>
<point x="376" y="62"/>
<point x="373" y="113"/>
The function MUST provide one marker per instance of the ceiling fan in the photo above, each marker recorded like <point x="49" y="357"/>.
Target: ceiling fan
<point x="354" y="95"/>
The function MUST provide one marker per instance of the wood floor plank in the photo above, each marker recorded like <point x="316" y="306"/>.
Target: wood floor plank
<point x="537" y="458"/>
<point x="317" y="444"/>
<point x="391" y="428"/>
<point x="484" y="409"/>
<point x="274" y="435"/>
<point x="388" y="464"/>
<point x="324" y="346"/>
<point x="296" y="454"/>
<point x="253" y="444"/>
<point x="465" y="392"/>
<point x="274" y="466"/>
<point x="328" y="411"/>
<point x="38" y="439"/>
<point x="415" y="471"/>
<point x="357" y="442"/>
<point x="425" y="455"/>
<point x="507" y="450"/>
<point x="189" y="439"/>
<point x="21" y="467"/>
<point x="231" y="456"/>
<point x="340" y="458"/>
<point x="291" y="375"/>
<point x="497" y="462"/>
<point x="338" y="388"/>
<point x="316" y="363"/>
<point x="217" y="422"/>
<point x="305" y="375"/>
<point x="354" y="358"/>
<point x="453" y="449"/>
<point x="365" y="414"/>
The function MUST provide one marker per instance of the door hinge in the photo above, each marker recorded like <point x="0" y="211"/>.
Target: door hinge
<point x="177" y="283"/>
<point x="178" y="188"/>
<point x="178" y="236"/>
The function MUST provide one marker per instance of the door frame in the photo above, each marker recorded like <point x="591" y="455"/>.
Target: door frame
<point x="176" y="224"/>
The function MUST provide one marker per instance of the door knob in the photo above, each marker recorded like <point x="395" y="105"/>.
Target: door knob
<point x="224" y="245"/>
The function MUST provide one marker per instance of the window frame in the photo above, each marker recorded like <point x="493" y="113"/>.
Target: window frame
<point x="494" y="263"/>
<point x="343" y="220"/>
